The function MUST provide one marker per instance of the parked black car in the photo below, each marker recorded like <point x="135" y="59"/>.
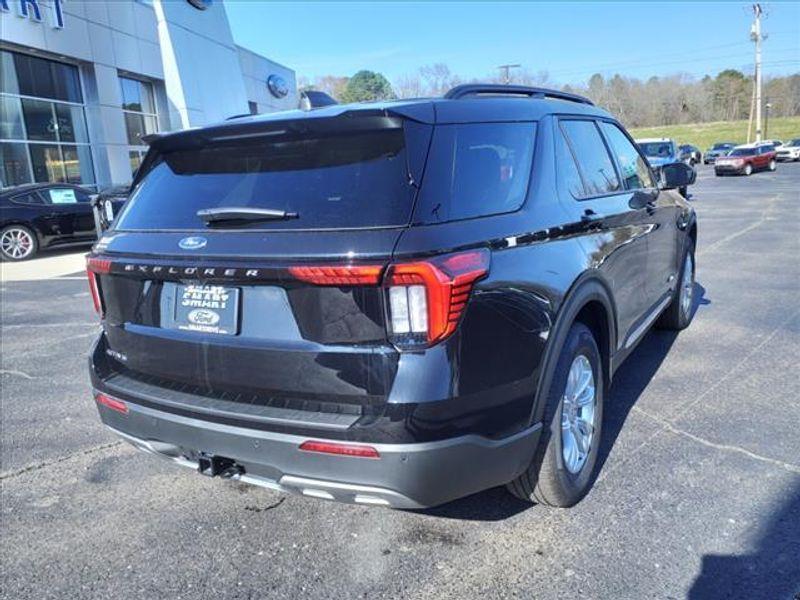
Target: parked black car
<point x="392" y="304"/>
<point x="43" y="215"/>
<point x="691" y="155"/>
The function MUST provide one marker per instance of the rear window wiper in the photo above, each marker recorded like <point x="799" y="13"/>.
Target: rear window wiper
<point x="244" y="214"/>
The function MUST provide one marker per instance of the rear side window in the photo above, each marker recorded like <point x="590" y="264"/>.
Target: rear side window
<point x="594" y="163"/>
<point x="64" y="196"/>
<point x="635" y="173"/>
<point x="568" y="173"/>
<point x="32" y="198"/>
<point x="476" y="170"/>
<point x="331" y="179"/>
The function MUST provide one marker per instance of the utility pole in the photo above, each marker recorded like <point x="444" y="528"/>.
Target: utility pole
<point x="755" y="36"/>
<point x="505" y="71"/>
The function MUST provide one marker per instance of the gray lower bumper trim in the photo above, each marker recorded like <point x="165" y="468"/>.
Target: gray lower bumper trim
<point x="405" y="476"/>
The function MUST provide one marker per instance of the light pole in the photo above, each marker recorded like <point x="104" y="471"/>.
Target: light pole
<point x="505" y="70"/>
<point x="755" y="35"/>
<point x="767" y="106"/>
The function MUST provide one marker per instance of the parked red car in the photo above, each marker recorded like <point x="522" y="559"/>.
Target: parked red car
<point x="743" y="160"/>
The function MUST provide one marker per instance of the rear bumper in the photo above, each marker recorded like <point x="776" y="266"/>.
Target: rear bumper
<point x="728" y="170"/>
<point x="405" y="476"/>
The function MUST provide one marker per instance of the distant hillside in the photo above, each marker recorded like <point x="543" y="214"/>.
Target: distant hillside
<point x="705" y="134"/>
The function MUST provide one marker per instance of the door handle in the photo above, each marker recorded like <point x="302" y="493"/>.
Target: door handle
<point x="588" y="215"/>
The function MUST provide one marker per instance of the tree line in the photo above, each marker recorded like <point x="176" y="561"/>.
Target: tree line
<point x="669" y="100"/>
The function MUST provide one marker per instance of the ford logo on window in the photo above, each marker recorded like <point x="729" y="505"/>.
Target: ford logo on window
<point x="203" y="316"/>
<point x="193" y="243"/>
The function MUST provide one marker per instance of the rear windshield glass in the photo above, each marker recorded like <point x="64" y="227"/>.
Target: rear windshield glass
<point x="332" y="181"/>
<point x="476" y="170"/>
<point x="656" y="149"/>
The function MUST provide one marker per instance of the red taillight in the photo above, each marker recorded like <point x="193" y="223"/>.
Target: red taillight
<point x="342" y="276"/>
<point x="427" y="298"/>
<point x="98" y="265"/>
<point x="112" y="403"/>
<point x="94" y="266"/>
<point x="356" y="450"/>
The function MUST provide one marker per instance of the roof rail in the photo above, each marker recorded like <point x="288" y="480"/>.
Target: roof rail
<point x="497" y="89"/>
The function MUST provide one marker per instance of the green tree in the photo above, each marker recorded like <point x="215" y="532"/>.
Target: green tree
<point x="365" y="86"/>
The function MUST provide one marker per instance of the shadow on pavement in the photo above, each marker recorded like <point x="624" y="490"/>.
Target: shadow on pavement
<point x="771" y="571"/>
<point x="634" y="375"/>
<point x="629" y="381"/>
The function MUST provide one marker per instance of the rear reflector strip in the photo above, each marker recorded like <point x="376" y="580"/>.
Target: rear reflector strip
<point x="340" y="449"/>
<point x="98" y="305"/>
<point x="112" y="403"/>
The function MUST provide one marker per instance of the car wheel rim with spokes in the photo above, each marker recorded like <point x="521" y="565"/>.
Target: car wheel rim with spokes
<point x="578" y="409"/>
<point x="687" y="286"/>
<point x="16" y="243"/>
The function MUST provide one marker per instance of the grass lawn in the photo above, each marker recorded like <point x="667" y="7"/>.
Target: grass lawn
<point x="703" y="135"/>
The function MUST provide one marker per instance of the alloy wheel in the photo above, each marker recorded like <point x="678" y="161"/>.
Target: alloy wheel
<point x="16" y="243"/>
<point x="687" y="286"/>
<point x="578" y="414"/>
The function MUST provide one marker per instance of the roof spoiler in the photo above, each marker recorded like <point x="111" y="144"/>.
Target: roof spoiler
<point x="311" y="99"/>
<point x="496" y="89"/>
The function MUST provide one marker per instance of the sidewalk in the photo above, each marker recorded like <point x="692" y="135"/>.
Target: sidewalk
<point x="47" y="266"/>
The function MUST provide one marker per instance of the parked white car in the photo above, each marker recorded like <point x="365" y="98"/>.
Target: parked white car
<point x="789" y="151"/>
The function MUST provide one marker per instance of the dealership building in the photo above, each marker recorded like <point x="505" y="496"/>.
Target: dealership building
<point x="84" y="82"/>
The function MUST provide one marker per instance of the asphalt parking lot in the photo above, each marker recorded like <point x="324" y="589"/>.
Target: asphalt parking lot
<point x="699" y="494"/>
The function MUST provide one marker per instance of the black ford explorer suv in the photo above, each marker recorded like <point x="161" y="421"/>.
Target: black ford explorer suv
<point x="392" y="304"/>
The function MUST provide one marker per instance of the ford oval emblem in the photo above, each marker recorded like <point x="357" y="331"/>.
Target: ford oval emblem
<point x="277" y="86"/>
<point x="193" y="243"/>
<point x="203" y="316"/>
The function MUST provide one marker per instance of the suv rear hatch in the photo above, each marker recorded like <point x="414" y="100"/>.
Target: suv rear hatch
<point x="227" y="278"/>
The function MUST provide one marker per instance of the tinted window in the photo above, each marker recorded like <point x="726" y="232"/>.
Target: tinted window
<point x="14" y="164"/>
<point x="137" y="95"/>
<point x="743" y="152"/>
<point x="476" y="170"/>
<point x="633" y="168"/>
<point x="597" y="170"/>
<point x="347" y="179"/>
<point x="657" y="149"/>
<point x="39" y="120"/>
<point x="30" y="198"/>
<point x="47" y="163"/>
<point x="567" y="168"/>
<point x="43" y="78"/>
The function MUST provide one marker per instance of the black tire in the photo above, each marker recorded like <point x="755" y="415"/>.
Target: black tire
<point x="677" y="316"/>
<point x="6" y="253"/>
<point x="547" y="479"/>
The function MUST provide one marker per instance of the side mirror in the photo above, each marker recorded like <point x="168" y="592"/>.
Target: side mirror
<point x="677" y="175"/>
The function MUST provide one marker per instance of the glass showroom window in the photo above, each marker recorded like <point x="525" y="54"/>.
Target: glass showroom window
<point x="140" y="116"/>
<point x="43" y="135"/>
